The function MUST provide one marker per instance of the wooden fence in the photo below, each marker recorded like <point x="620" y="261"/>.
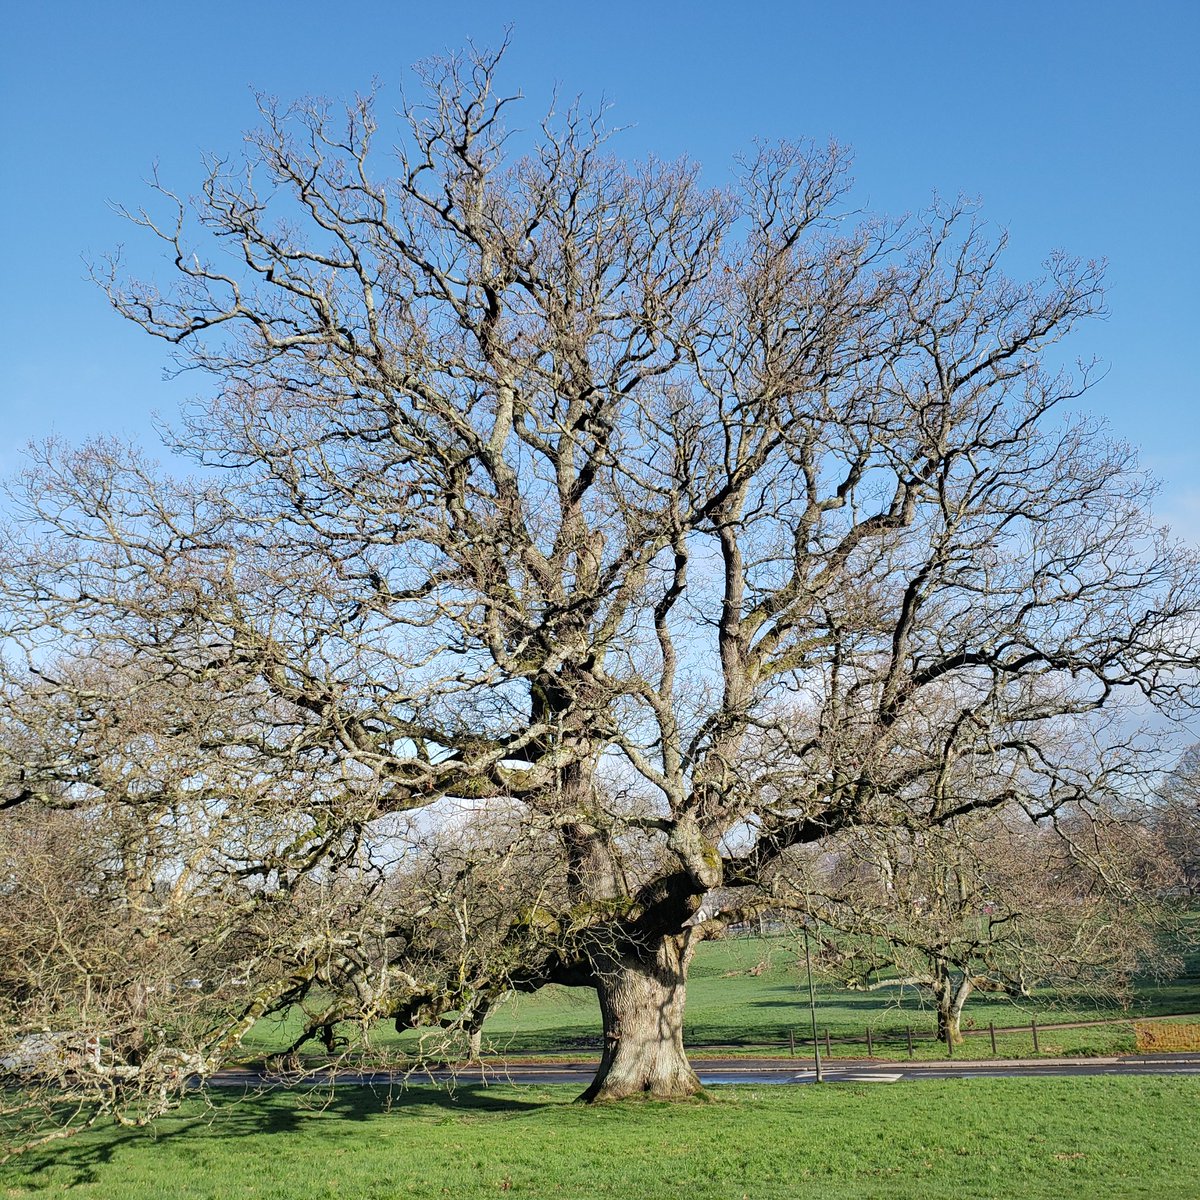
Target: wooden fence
<point x="1153" y="1034"/>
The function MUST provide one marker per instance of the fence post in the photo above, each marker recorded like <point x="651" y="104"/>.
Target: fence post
<point x="828" y="1051"/>
<point x="792" y="1043"/>
<point x="908" y="1030"/>
<point x="992" y="1029"/>
<point x="870" y="1047"/>
<point x="1033" y="1027"/>
<point x="812" y="1005"/>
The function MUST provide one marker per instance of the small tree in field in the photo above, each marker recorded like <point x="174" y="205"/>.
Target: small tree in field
<point x="989" y="904"/>
<point x="680" y="527"/>
<point x="1177" y="819"/>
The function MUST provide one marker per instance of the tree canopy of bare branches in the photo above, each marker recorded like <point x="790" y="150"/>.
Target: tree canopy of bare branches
<point x="681" y="526"/>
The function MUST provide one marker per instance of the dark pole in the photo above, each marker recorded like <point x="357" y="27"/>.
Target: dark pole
<point x="812" y="1004"/>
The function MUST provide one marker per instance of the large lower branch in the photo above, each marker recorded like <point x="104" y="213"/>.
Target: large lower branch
<point x="748" y="869"/>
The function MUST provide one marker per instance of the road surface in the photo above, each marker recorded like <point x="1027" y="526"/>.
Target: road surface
<point x="756" y="1071"/>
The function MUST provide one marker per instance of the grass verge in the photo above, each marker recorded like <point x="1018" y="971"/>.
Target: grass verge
<point x="1117" y="1137"/>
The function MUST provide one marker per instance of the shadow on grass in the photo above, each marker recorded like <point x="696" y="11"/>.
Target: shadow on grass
<point x="866" y="1003"/>
<point x="221" y="1116"/>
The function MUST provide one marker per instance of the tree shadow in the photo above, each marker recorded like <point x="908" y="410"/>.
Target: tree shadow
<point x="872" y="1003"/>
<point x="227" y="1114"/>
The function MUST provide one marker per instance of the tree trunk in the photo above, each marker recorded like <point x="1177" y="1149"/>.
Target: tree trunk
<point x="641" y="1002"/>
<point x="475" y="1040"/>
<point x="949" y="1007"/>
<point x="948" y="1029"/>
<point x="961" y="995"/>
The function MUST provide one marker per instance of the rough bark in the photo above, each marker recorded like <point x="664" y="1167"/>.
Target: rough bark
<point x="948" y="1029"/>
<point x="950" y="1001"/>
<point x="642" y="1002"/>
<point x="475" y="1043"/>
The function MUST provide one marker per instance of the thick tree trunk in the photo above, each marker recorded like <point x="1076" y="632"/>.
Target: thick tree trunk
<point x="641" y="1002"/>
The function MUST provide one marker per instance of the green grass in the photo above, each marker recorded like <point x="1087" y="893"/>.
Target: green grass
<point x="1115" y="1137"/>
<point x="747" y="993"/>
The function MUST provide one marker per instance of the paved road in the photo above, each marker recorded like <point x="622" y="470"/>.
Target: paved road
<point x="758" y="1071"/>
<point x="892" y="1072"/>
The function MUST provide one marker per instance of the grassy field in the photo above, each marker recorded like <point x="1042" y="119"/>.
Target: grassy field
<point x="747" y="993"/>
<point x="1132" y="1137"/>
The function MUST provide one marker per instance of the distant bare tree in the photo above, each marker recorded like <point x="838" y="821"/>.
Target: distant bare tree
<point x="1177" y="818"/>
<point x="992" y="904"/>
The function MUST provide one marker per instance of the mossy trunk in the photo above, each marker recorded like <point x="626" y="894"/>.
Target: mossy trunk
<point x="949" y="1003"/>
<point x="641" y="1002"/>
<point x="951" y="995"/>
<point x="948" y="1029"/>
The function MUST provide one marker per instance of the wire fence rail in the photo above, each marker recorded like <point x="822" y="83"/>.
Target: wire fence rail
<point x="1035" y="1029"/>
<point x="907" y="1037"/>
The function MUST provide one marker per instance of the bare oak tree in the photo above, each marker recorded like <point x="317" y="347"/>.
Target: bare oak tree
<point x="993" y="904"/>
<point x="533" y="478"/>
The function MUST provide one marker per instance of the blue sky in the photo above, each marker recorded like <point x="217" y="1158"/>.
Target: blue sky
<point x="1075" y="123"/>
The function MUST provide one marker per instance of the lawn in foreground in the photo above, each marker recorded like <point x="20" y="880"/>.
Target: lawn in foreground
<point x="955" y="1138"/>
